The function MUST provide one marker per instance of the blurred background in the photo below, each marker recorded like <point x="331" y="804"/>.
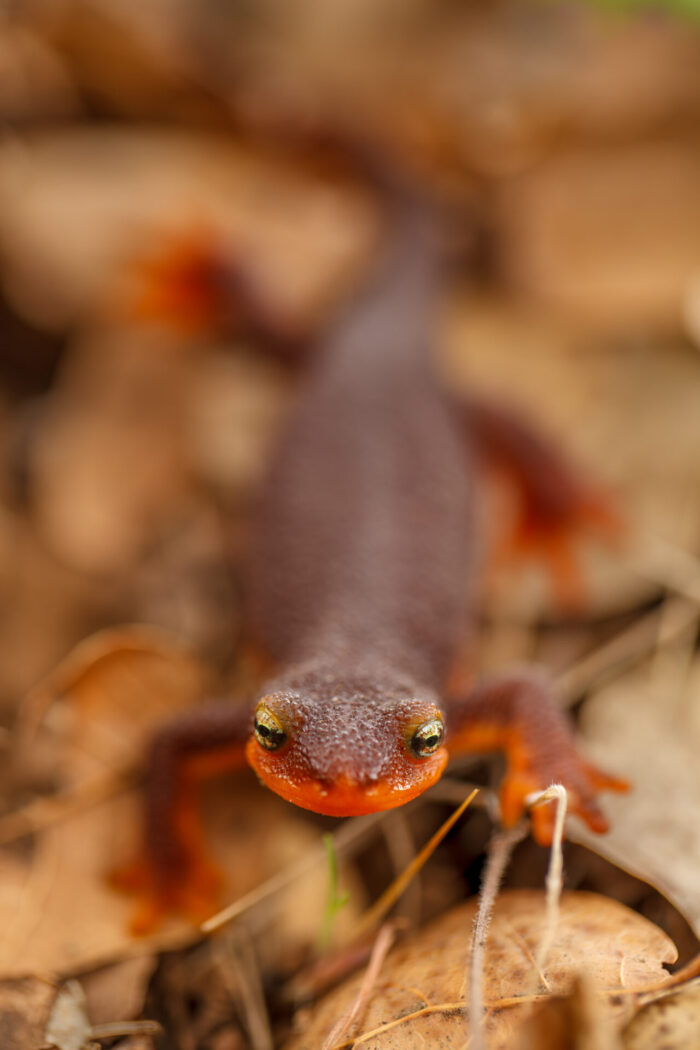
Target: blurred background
<point x="144" y="150"/>
<point x="564" y="142"/>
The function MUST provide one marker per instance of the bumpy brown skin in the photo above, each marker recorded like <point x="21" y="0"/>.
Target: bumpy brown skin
<point x="360" y="571"/>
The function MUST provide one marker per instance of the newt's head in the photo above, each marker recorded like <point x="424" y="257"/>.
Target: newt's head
<point x="346" y="744"/>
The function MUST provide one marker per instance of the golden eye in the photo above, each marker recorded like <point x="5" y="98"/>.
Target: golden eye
<point x="268" y="729"/>
<point x="427" y="738"/>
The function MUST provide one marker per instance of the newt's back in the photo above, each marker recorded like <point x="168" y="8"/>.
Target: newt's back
<point x="362" y="548"/>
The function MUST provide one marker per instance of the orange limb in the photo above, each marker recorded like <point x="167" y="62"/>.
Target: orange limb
<point x="173" y="874"/>
<point x="516" y="713"/>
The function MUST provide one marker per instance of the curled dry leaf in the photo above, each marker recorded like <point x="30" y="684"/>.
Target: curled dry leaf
<point x="616" y="948"/>
<point x="671" y="1022"/>
<point x="645" y="726"/>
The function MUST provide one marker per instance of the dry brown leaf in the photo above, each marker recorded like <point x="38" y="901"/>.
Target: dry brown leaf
<point x="611" y="234"/>
<point x="671" y="1022"/>
<point x="645" y="726"/>
<point x="43" y="607"/>
<point x="615" y="947"/>
<point x="108" y="462"/>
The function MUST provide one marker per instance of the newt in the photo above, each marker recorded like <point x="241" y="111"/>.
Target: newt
<point x="361" y="588"/>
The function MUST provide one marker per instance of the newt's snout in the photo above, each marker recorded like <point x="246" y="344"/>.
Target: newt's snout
<point x="345" y="795"/>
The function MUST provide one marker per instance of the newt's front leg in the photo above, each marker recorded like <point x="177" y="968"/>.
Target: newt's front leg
<point x="173" y="873"/>
<point x="516" y="713"/>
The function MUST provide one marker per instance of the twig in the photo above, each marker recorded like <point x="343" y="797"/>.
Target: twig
<point x="500" y="849"/>
<point x="382" y="945"/>
<point x="394" y="891"/>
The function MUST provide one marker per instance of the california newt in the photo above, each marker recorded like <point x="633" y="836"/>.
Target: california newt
<point x="360" y="573"/>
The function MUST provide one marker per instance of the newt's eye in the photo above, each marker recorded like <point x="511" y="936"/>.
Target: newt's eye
<point x="427" y="738"/>
<point x="268" y="729"/>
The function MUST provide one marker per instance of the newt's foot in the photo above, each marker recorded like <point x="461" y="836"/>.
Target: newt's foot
<point x="550" y="535"/>
<point x="192" y="892"/>
<point x="530" y="772"/>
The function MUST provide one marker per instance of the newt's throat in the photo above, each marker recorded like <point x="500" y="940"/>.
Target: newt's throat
<point x="344" y="797"/>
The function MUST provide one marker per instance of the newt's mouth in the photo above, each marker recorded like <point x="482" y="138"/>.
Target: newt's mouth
<point x="344" y="797"/>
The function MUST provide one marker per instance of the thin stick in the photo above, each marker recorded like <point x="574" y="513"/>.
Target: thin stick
<point x="500" y="849"/>
<point x="555" y="872"/>
<point x="394" y="891"/>
<point x="382" y="945"/>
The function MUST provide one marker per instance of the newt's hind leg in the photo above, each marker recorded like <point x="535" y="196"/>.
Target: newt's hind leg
<point x="557" y="503"/>
<point x="516" y="713"/>
<point x="173" y="873"/>
<point x="195" y="285"/>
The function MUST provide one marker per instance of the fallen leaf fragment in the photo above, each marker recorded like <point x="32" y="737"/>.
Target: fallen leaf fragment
<point x="419" y="996"/>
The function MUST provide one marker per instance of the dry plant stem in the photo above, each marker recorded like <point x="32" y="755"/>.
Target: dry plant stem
<point x="500" y="849"/>
<point x="382" y="945"/>
<point x="555" y="872"/>
<point x="394" y="891"/>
